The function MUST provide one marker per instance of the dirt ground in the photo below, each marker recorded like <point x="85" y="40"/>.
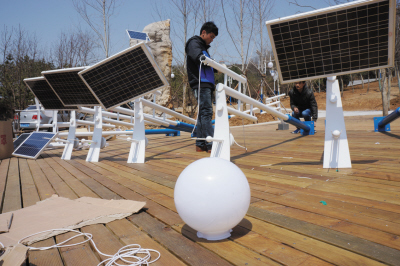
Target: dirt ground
<point x="358" y="100"/>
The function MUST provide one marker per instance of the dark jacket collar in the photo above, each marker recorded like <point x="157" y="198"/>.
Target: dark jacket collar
<point x="198" y="39"/>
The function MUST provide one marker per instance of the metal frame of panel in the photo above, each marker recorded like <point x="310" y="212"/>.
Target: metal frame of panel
<point x="149" y="55"/>
<point x="53" y="135"/>
<point x="147" y="35"/>
<point x="391" y="34"/>
<point x="67" y="108"/>
<point x="66" y="70"/>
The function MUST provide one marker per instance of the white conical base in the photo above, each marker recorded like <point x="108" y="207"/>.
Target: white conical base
<point x="336" y="150"/>
<point x="214" y="237"/>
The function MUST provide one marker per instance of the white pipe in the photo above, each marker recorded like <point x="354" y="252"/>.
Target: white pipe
<point x="63" y="124"/>
<point x="105" y="113"/>
<point x="249" y="100"/>
<point x="275" y="97"/>
<point x="241" y="114"/>
<point x="55" y="145"/>
<point x="90" y="123"/>
<point x="165" y="122"/>
<point x="264" y="123"/>
<point x="168" y="111"/>
<point x="117" y="122"/>
<point x="147" y="117"/>
<point x="273" y="103"/>
<point x="45" y="125"/>
<point x="104" y="133"/>
<point x="224" y="70"/>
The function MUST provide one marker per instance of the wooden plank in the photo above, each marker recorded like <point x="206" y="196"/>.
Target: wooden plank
<point x="344" y="241"/>
<point x="95" y="186"/>
<point x="61" y="188"/>
<point x="322" y="250"/>
<point x="154" y="208"/>
<point x="30" y="196"/>
<point x="130" y="234"/>
<point x="337" y="203"/>
<point x="3" y="179"/>
<point x="42" y="184"/>
<point x="229" y="250"/>
<point x="357" y="218"/>
<point x="81" y="255"/>
<point x="275" y="250"/>
<point x="50" y="257"/>
<point x="343" y="226"/>
<point x="77" y="186"/>
<point x="105" y="241"/>
<point x="12" y="196"/>
<point x="29" y="192"/>
<point x="185" y="249"/>
<point x="361" y="192"/>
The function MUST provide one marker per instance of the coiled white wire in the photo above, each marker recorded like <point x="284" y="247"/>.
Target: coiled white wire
<point x="123" y="254"/>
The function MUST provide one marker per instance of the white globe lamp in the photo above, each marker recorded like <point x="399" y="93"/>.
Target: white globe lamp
<point x="270" y="64"/>
<point x="212" y="196"/>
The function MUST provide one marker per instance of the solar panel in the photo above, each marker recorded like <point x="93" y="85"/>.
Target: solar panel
<point x="34" y="145"/>
<point x="137" y="35"/>
<point x="348" y="38"/>
<point x="20" y="139"/>
<point x="69" y="87"/>
<point x="47" y="97"/>
<point x="127" y="75"/>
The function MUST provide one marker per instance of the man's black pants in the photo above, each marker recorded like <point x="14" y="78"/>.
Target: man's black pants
<point x="204" y="126"/>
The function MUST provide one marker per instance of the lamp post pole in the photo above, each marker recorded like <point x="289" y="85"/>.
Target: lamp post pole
<point x="274" y="74"/>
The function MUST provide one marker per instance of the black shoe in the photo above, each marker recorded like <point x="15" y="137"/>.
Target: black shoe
<point x="296" y="131"/>
<point x="200" y="148"/>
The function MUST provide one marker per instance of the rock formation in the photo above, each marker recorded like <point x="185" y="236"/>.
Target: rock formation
<point x="161" y="47"/>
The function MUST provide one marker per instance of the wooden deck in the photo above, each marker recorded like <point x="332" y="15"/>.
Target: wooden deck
<point x="286" y="223"/>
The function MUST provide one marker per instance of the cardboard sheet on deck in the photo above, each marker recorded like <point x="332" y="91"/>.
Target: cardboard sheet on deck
<point x="57" y="212"/>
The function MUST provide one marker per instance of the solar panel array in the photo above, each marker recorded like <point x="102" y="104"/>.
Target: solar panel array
<point x="47" y="97"/>
<point x="20" y="139"/>
<point x="34" y="145"/>
<point x="137" y="35"/>
<point x="123" y="77"/>
<point x="69" y="87"/>
<point x="347" y="40"/>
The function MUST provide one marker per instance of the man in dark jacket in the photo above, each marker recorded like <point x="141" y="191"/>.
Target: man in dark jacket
<point x="196" y="48"/>
<point x="303" y="103"/>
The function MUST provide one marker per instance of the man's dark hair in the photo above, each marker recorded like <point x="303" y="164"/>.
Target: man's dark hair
<point x="209" y="27"/>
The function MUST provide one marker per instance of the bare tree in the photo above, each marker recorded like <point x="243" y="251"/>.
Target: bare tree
<point x="209" y="10"/>
<point x="184" y="25"/>
<point x="21" y="58"/>
<point x="262" y="12"/>
<point x="241" y="31"/>
<point x="97" y="14"/>
<point x="73" y="49"/>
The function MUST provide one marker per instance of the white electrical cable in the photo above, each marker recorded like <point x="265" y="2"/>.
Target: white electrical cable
<point x="240" y="145"/>
<point x="244" y="137"/>
<point x="128" y="251"/>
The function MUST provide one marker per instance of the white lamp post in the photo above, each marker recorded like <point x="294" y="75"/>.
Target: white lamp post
<point x="274" y="75"/>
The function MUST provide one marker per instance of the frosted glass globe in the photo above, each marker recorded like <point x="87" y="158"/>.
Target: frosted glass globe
<point x="212" y="196"/>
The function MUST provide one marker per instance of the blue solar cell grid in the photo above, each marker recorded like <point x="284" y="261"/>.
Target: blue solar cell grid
<point x="34" y="144"/>
<point x="20" y="139"/>
<point x="137" y="35"/>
